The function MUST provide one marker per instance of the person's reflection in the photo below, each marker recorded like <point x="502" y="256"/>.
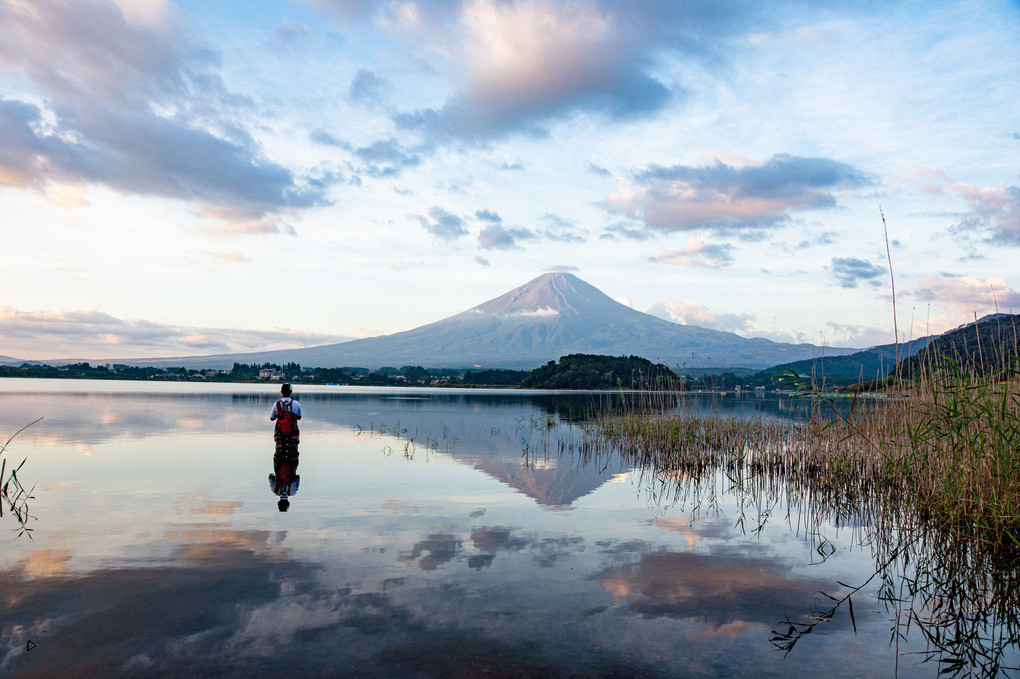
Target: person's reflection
<point x="284" y="480"/>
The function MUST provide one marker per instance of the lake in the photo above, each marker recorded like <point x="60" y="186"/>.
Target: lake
<point x="433" y="533"/>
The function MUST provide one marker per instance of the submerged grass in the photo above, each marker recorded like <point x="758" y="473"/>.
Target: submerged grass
<point x="945" y="450"/>
<point x="929" y="479"/>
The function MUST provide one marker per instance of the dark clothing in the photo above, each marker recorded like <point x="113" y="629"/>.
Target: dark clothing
<point x="284" y="480"/>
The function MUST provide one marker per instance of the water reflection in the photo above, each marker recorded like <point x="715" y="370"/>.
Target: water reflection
<point x="459" y="535"/>
<point x="952" y="598"/>
<point x="284" y="480"/>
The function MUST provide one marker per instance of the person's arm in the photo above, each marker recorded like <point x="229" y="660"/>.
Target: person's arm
<point x="297" y="409"/>
<point x="272" y="415"/>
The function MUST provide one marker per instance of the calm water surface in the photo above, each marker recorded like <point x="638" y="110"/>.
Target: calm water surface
<point x="434" y="533"/>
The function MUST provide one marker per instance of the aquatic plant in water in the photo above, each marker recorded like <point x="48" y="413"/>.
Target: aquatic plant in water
<point x="929" y="480"/>
<point x="13" y="495"/>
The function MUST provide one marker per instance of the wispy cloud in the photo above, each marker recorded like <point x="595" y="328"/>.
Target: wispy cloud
<point x="557" y="228"/>
<point x="994" y="211"/>
<point x="227" y="257"/>
<point x="626" y="230"/>
<point x="291" y="37"/>
<point x="696" y="254"/>
<point x="694" y="313"/>
<point x="92" y="333"/>
<point x="727" y="198"/>
<point x="965" y="295"/>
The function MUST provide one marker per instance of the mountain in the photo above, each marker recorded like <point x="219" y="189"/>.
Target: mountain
<point x="874" y="363"/>
<point x="551" y="316"/>
<point x="988" y="346"/>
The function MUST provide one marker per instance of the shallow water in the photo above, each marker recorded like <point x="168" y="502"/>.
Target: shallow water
<point x="434" y="533"/>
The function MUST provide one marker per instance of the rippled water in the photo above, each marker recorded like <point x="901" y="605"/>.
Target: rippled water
<point x="434" y="533"/>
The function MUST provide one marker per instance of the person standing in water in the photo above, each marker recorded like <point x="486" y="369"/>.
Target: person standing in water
<point x="286" y="412"/>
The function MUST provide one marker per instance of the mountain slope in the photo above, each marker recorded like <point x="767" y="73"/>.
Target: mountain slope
<point x="874" y="363"/>
<point x="551" y="316"/>
<point x="986" y="347"/>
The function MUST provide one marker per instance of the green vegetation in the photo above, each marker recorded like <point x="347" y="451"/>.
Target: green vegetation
<point x="980" y="348"/>
<point x="948" y="450"/>
<point x="13" y="495"/>
<point x="494" y="378"/>
<point x="930" y="480"/>
<point x="241" y="372"/>
<point x="577" y="371"/>
<point x="587" y="371"/>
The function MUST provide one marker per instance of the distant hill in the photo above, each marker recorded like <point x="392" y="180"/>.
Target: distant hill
<point x="875" y="363"/>
<point x="983" y="347"/>
<point x="551" y="316"/>
<point x="585" y="371"/>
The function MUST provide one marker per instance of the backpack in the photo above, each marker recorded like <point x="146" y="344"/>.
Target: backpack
<point x="286" y="422"/>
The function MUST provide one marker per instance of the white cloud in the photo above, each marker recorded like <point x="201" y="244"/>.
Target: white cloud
<point x="694" y="313"/>
<point x="966" y="295"/>
<point x="545" y="312"/>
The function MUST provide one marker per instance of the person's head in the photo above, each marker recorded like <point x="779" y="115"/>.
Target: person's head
<point x="283" y="505"/>
<point x="286" y="390"/>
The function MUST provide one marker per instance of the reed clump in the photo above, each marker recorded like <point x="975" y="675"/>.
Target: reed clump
<point x="945" y="450"/>
<point x="952" y="447"/>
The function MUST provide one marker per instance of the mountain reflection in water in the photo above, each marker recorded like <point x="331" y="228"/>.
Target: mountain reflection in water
<point x="446" y="534"/>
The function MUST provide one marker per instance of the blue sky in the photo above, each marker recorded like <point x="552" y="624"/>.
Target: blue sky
<point x="204" y="177"/>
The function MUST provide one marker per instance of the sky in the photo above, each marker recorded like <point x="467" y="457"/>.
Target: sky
<point x="192" y="178"/>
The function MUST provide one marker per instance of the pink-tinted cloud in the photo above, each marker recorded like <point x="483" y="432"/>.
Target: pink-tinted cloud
<point x="729" y="198"/>
<point x="520" y="64"/>
<point x="966" y="295"/>
<point x="697" y="254"/>
<point x="994" y="210"/>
